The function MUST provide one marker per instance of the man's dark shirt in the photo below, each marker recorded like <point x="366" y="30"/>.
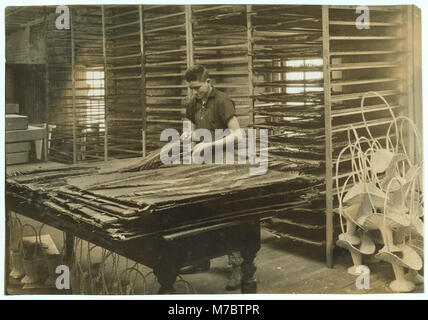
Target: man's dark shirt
<point x="217" y="112"/>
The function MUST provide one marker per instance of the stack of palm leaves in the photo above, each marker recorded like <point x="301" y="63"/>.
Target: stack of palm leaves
<point x="384" y="193"/>
<point x="154" y="160"/>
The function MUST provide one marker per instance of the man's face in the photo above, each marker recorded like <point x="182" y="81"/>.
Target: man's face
<point x="200" y="89"/>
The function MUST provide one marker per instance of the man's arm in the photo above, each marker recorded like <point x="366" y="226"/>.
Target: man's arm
<point x="235" y="135"/>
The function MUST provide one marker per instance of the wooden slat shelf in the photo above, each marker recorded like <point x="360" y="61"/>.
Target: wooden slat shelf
<point x="127" y="13"/>
<point x="172" y="15"/>
<point x="134" y="66"/>
<point x="239" y="59"/>
<point x="372" y="23"/>
<point x="120" y="140"/>
<point x="113" y="148"/>
<point x="130" y="34"/>
<point x="233" y="46"/>
<point x="125" y="78"/>
<point x="229" y="73"/>
<point x="364" y="65"/>
<point x="358" y="95"/>
<point x="135" y="55"/>
<point x="231" y="85"/>
<point x="119" y="96"/>
<point x="396" y="9"/>
<point x="212" y="8"/>
<point x="168" y="97"/>
<point x="164" y="121"/>
<point x="150" y="109"/>
<point x="357" y="53"/>
<point x="148" y="8"/>
<point x="362" y="81"/>
<point x="164" y="75"/>
<point x="168" y="63"/>
<point x="129" y="45"/>
<point x="263" y="70"/>
<point x="355" y="38"/>
<point x="357" y="110"/>
<point x="358" y="125"/>
<point x="167" y="86"/>
<point x="123" y="25"/>
<point x="181" y="25"/>
<point x="159" y="52"/>
<point x="124" y="119"/>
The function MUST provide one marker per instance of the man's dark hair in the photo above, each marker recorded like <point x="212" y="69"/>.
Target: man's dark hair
<point x="196" y="73"/>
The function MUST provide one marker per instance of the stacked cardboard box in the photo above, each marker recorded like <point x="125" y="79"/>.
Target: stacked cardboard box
<point x="17" y="151"/>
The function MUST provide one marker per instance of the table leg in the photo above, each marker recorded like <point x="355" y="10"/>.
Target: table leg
<point x="69" y="249"/>
<point x="248" y="269"/>
<point x="166" y="275"/>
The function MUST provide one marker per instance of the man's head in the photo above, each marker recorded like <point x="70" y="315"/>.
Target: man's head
<point x="198" y="80"/>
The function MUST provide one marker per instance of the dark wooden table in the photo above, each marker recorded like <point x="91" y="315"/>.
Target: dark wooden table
<point x="164" y="253"/>
<point x="163" y="218"/>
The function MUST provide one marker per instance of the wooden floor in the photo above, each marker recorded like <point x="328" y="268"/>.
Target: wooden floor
<point x="286" y="267"/>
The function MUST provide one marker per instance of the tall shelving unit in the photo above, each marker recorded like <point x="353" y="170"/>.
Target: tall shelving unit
<point x="357" y="61"/>
<point x="74" y="98"/>
<point x="221" y="44"/>
<point x="167" y="55"/>
<point x="123" y="81"/>
<point x="288" y="101"/>
<point x="88" y="78"/>
<point x="59" y="94"/>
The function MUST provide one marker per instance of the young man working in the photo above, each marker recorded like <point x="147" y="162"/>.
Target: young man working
<point x="211" y="109"/>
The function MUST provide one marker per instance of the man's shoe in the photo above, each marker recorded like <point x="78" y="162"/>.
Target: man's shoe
<point x="235" y="278"/>
<point x="195" y="268"/>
